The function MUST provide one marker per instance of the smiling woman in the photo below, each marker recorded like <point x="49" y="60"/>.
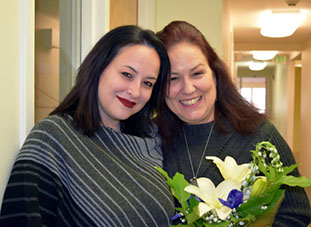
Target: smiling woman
<point x="204" y="114"/>
<point x="91" y="162"/>
<point x="126" y="84"/>
<point x="192" y="88"/>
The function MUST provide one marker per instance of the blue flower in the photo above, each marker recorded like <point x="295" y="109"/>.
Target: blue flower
<point x="176" y="216"/>
<point x="235" y="198"/>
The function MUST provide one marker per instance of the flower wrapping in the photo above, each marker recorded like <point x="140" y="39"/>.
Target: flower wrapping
<point x="250" y="194"/>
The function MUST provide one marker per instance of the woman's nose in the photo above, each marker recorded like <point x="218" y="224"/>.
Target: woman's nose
<point x="134" y="89"/>
<point x="188" y="86"/>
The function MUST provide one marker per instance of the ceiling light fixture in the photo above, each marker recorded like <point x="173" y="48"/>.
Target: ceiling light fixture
<point x="257" y="65"/>
<point x="264" y="55"/>
<point x="277" y="24"/>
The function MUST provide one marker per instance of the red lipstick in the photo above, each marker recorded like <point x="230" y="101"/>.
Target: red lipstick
<point x="127" y="103"/>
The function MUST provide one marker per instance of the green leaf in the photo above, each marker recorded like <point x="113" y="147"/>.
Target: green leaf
<point x="192" y="203"/>
<point x="287" y="170"/>
<point x="192" y="217"/>
<point x="301" y="181"/>
<point x="248" y="219"/>
<point x="273" y="174"/>
<point x="221" y="224"/>
<point x="168" y="179"/>
<point x="179" y="183"/>
<point x="254" y="204"/>
<point x="263" y="169"/>
<point x="267" y="218"/>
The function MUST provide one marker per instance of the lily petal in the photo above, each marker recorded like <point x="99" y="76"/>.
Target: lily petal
<point x="203" y="208"/>
<point x="223" y="212"/>
<point x="206" y="189"/>
<point x="210" y="195"/>
<point x="225" y="187"/>
<point x="229" y="169"/>
<point x="222" y="166"/>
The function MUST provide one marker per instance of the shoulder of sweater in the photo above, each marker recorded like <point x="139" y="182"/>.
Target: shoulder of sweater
<point x="270" y="133"/>
<point x="267" y="129"/>
<point x="53" y="123"/>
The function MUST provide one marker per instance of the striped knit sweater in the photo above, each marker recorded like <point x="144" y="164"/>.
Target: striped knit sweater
<point x="63" y="178"/>
<point x="295" y="208"/>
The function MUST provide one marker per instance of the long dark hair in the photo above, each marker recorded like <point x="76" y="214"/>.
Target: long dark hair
<point x="230" y="105"/>
<point x="82" y="101"/>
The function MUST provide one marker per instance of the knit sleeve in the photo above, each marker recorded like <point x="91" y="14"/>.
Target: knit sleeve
<point x="29" y="199"/>
<point x="295" y="208"/>
<point x="36" y="195"/>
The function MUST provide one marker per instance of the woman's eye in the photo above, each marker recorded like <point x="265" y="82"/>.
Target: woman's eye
<point x="174" y="78"/>
<point x="126" y="74"/>
<point x="197" y="73"/>
<point x="149" y="84"/>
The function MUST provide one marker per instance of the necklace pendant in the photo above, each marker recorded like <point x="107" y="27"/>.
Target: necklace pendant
<point x="193" y="181"/>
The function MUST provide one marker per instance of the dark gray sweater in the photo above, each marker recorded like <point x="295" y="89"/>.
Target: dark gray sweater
<point x="63" y="178"/>
<point x="295" y="208"/>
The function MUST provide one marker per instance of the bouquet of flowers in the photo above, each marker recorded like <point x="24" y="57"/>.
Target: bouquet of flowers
<point x="249" y="193"/>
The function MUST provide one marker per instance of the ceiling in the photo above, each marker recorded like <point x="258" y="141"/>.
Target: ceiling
<point x="246" y="17"/>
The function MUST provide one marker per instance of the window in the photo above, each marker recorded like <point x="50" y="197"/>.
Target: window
<point x="253" y="89"/>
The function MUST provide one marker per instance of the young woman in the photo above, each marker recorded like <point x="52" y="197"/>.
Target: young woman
<point x="91" y="162"/>
<point x="203" y="114"/>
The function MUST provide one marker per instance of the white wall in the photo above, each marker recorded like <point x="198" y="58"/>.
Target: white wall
<point x="17" y="80"/>
<point x="94" y="23"/>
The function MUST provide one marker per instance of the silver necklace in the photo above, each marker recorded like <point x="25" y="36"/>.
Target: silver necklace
<point x="194" y="178"/>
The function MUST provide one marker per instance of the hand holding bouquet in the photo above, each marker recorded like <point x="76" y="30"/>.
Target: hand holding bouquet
<point x="250" y="193"/>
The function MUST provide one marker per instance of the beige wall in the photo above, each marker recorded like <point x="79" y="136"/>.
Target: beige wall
<point x="291" y="106"/>
<point x="123" y="12"/>
<point x="305" y="115"/>
<point x="205" y="15"/>
<point x="227" y="38"/>
<point x="283" y="101"/>
<point x="17" y="80"/>
<point x="279" y="114"/>
<point x="297" y="110"/>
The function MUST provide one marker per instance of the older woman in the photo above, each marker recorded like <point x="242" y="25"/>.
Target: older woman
<point x="204" y="114"/>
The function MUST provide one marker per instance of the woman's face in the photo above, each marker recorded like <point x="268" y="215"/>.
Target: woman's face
<point x="126" y="84"/>
<point x="192" y="91"/>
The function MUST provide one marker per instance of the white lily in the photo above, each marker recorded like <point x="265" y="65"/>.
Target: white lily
<point x="230" y="170"/>
<point x="207" y="191"/>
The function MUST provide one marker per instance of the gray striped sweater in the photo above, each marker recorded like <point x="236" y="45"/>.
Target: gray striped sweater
<point x="63" y="178"/>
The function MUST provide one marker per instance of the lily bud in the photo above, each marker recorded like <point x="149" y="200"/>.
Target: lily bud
<point x="259" y="187"/>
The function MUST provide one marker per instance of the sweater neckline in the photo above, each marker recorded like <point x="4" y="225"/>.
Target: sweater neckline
<point x="198" y="129"/>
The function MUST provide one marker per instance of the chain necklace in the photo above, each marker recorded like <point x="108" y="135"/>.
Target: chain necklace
<point x="194" y="178"/>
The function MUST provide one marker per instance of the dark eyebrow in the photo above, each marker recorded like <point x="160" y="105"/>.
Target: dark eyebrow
<point x="195" y="67"/>
<point x="131" y="68"/>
